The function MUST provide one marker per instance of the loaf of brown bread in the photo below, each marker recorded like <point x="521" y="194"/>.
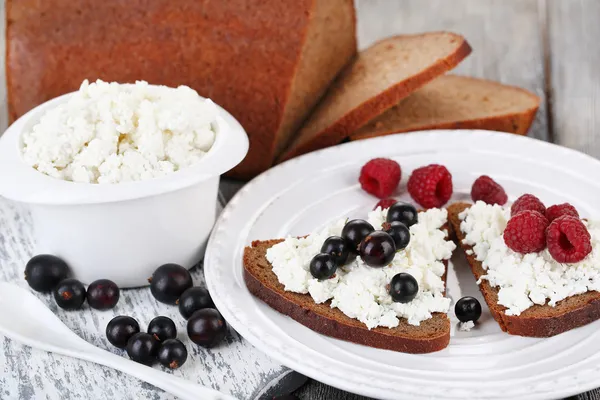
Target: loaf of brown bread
<point x="375" y="81"/>
<point x="266" y="61"/>
<point x="431" y="335"/>
<point x="457" y="102"/>
<point x="536" y="321"/>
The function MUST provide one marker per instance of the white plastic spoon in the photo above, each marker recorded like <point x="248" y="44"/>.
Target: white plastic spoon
<point x="24" y="318"/>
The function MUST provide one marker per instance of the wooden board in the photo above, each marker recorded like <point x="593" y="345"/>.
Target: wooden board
<point x="574" y="73"/>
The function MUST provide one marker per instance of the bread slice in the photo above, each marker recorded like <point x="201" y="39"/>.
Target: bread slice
<point x="431" y="335"/>
<point x="267" y="62"/>
<point x="457" y="102"/>
<point x="536" y="321"/>
<point x="377" y="79"/>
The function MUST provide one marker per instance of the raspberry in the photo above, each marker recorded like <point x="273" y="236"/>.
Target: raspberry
<point x="430" y="186"/>
<point x="380" y="177"/>
<point x="487" y="190"/>
<point x="559" y="210"/>
<point x="526" y="232"/>
<point x="527" y="202"/>
<point x="568" y="239"/>
<point x="385" y="203"/>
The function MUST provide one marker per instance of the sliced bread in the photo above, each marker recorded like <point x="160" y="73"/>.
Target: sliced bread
<point x="268" y="62"/>
<point x="457" y="102"/>
<point x="431" y="335"/>
<point x="536" y="321"/>
<point x="376" y="80"/>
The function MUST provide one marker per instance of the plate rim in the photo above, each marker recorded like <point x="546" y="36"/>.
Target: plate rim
<point x="578" y="383"/>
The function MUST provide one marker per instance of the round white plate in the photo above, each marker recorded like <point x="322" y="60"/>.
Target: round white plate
<point x="303" y="194"/>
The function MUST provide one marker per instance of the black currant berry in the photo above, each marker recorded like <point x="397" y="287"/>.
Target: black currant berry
<point x="399" y="232"/>
<point x="467" y="309"/>
<point x="377" y="249"/>
<point x="120" y="329"/>
<point x="162" y="328"/>
<point x="169" y="281"/>
<point x="403" y="212"/>
<point x="322" y="266"/>
<point x="403" y="288"/>
<point x="194" y="299"/>
<point x="206" y="327"/>
<point x="69" y="294"/>
<point x="103" y="294"/>
<point x="143" y="348"/>
<point x="338" y="248"/>
<point x="43" y="272"/>
<point x="172" y="353"/>
<point x="354" y="232"/>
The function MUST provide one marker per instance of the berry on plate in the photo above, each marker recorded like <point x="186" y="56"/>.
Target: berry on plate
<point x="385" y="203"/>
<point x="559" y="210"/>
<point x="380" y="177"/>
<point x="526" y="232"/>
<point x="467" y="309"/>
<point x="489" y="191"/>
<point x="568" y="239"/>
<point x="527" y="202"/>
<point x="430" y="186"/>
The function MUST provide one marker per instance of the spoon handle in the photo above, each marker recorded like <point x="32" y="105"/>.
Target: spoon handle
<point x="169" y="383"/>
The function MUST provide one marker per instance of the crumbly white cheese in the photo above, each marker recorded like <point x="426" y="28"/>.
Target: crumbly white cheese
<point x="358" y="290"/>
<point x="466" y="326"/>
<point x="526" y="279"/>
<point x="110" y="133"/>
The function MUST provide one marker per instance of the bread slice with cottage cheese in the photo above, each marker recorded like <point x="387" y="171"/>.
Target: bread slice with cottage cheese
<point x="537" y="320"/>
<point x="274" y="272"/>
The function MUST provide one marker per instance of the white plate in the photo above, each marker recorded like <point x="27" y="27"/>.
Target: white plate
<point x="305" y="193"/>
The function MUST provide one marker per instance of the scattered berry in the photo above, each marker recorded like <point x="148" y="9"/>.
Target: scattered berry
<point x="338" y="248"/>
<point x="162" y="328"/>
<point x="103" y="294"/>
<point x="43" y="272"/>
<point x="355" y="231"/>
<point x="322" y="266"/>
<point x="120" y="329"/>
<point x="194" y="299"/>
<point x="69" y="294"/>
<point x="489" y="191"/>
<point x="143" y="348"/>
<point x="172" y="353"/>
<point x="430" y="186"/>
<point x="568" y="239"/>
<point x="206" y="327"/>
<point x="403" y="288"/>
<point x="403" y="212"/>
<point x="527" y="202"/>
<point x="380" y="177"/>
<point x="169" y="281"/>
<point x="385" y="203"/>
<point x="559" y="210"/>
<point x="377" y="249"/>
<point x="467" y="309"/>
<point x="526" y="232"/>
<point x="399" y="232"/>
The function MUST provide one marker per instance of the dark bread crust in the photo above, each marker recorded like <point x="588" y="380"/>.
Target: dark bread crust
<point x="536" y="321"/>
<point x="431" y="335"/>
<point x="355" y="118"/>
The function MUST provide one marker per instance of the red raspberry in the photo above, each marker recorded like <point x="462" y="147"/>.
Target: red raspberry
<point x="385" y="203"/>
<point x="526" y="232"/>
<point x="380" y="177"/>
<point x="430" y="186"/>
<point x="487" y="190"/>
<point x="568" y="239"/>
<point x="527" y="202"/>
<point x="559" y="210"/>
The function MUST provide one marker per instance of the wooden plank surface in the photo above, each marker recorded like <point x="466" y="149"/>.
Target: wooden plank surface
<point x="573" y="39"/>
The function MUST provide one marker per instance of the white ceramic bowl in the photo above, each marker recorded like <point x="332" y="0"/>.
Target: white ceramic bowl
<point x="123" y="231"/>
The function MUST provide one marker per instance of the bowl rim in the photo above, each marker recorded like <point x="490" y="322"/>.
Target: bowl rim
<point x="23" y="183"/>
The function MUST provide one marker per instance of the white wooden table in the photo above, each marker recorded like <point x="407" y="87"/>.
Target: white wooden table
<point x="547" y="46"/>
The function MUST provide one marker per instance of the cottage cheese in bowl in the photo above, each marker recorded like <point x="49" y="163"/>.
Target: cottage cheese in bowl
<point x="111" y="133"/>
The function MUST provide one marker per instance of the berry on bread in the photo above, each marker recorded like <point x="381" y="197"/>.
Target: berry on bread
<point x="527" y="202"/>
<point x="558" y="210"/>
<point x="489" y="191"/>
<point x="380" y="177"/>
<point x="526" y="232"/>
<point x="568" y="239"/>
